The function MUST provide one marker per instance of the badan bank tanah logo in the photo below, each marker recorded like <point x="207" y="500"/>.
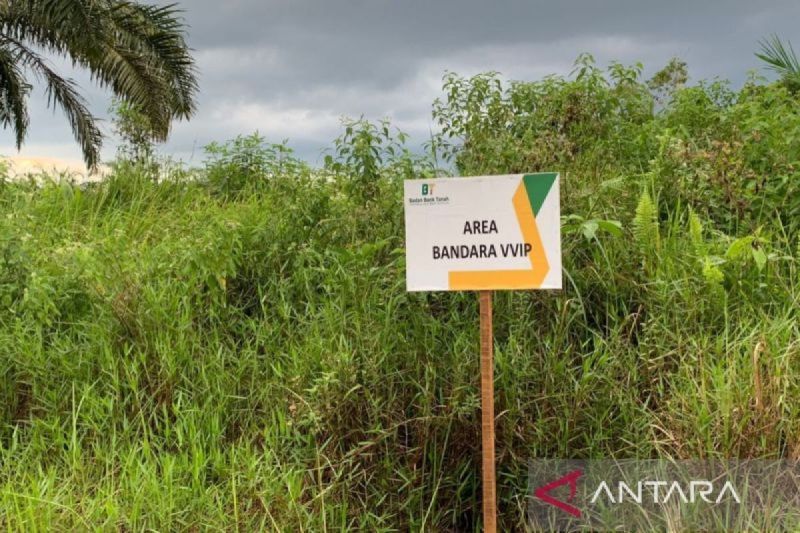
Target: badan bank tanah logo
<point x="429" y="194"/>
<point x="658" y="494"/>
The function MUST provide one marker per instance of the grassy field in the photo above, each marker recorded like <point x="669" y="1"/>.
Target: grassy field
<point x="232" y="347"/>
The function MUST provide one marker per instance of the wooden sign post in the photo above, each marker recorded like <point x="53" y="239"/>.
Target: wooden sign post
<point x="487" y="414"/>
<point x="483" y="234"/>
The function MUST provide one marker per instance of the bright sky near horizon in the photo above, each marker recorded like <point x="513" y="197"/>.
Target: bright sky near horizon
<point x="291" y="69"/>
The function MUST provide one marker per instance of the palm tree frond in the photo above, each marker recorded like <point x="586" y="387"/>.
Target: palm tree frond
<point x="62" y="92"/>
<point x="14" y="91"/>
<point x="52" y="24"/>
<point x="781" y="58"/>
<point x="137" y="50"/>
<point x="158" y="33"/>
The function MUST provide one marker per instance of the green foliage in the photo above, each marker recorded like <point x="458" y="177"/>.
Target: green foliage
<point x="368" y="151"/>
<point x="247" y="164"/>
<point x="645" y="225"/>
<point x="135" y="132"/>
<point x="668" y="80"/>
<point x="233" y="348"/>
<point x="590" y="228"/>
<point x="530" y="126"/>
<point x="696" y="233"/>
<point x="733" y="157"/>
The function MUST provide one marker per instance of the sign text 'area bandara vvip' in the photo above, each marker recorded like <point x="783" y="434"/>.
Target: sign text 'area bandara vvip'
<point x="483" y="233"/>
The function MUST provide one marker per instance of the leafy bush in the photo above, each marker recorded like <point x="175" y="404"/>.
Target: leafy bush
<point x="368" y="152"/>
<point x="247" y="163"/>
<point x="734" y="156"/>
<point x="593" y="118"/>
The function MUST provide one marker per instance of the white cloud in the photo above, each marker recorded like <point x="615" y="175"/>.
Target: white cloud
<point x="223" y="61"/>
<point x="276" y="122"/>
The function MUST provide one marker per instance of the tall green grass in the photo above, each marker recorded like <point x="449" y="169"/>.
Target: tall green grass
<point x="235" y="350"/>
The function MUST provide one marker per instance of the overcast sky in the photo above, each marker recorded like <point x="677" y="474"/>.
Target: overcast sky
<point x="292" y="68"/>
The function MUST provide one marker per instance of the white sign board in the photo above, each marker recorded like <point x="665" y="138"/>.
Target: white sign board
<point x="483" y="233"/>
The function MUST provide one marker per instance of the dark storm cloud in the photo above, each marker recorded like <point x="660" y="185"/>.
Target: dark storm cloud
<point x="293" y="68"/>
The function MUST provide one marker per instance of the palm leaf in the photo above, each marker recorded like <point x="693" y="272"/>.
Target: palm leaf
<point x="781" y="59"/>
<point x="157" y="33"/>
<point x="62" y="92"/>
<point x="14" y="91"/>
<point x="138" y="51"/>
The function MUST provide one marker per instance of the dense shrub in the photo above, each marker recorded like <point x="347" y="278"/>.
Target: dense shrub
<point x="246" y="164"/>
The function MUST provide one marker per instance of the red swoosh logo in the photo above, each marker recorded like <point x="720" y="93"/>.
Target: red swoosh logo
<point x="571" y="479"/>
